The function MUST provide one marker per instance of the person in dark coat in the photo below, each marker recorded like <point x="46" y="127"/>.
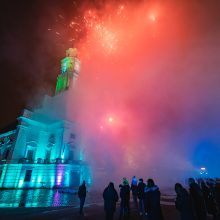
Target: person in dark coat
<point x="205" y="191"/>
<point x="125" y="199"/>
<point x="110" y="197"/>
<point x="134" y="190"/>
<point x="209" y="197"/>
<point x="152" y="201"/>
<point x="197" y="199"/>
<point x="217" y="193"/>
<point x="140" y="195"/>
<point x="183" y="203"/>
<point x="217" y="196"/>
<point x="82" y="196"/>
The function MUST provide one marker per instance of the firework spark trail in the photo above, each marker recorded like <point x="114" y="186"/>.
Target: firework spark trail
<point x="104" y="29"/>
<point x="108" y="30"/>
<point x="113" y="28"/>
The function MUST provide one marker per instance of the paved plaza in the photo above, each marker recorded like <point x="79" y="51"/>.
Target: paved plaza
<point x="93" y="211"/>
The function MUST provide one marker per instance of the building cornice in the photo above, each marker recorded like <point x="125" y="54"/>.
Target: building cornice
<point x="8" y="133"/>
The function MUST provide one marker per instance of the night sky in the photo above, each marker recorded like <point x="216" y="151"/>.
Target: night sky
<point x="153" y="66"/>
<point x="29" y="55"/>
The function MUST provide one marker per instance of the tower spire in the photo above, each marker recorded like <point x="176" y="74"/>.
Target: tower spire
<point x="70" y="66"/>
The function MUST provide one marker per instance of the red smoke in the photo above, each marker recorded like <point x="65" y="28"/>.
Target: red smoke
<point x="142" y="65"/>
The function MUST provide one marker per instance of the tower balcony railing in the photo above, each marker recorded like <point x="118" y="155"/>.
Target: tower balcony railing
<point x="48" y="161"/>
<point x="39" y="161"/>
<point x="3" y="161"/>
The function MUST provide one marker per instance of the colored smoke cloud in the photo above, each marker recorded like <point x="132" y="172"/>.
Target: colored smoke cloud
<point x="152" y="67"/>
<point x="157" y="76"/>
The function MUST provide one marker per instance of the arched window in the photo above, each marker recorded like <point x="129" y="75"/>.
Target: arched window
<point x="30" y="154"/>
<point x="72" y="136"/>
<point x="47" y="155"/>
<point x="71" y="155"/>
<point x="48" y="151"/>
<point x="6" y="154"/>
<point x="30" y="150"/>
<point x="52" y="139"/>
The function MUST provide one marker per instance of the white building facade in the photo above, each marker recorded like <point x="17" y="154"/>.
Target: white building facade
<point x="44" y="150"/>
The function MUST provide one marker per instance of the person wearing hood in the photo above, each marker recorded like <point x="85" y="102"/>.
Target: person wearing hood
<point x="110" y="197"/>
<point x="217" y="195"/>
<point x="209" y="196"/>
<point x="134" y="190"/>
<point x="152" y="201"/>
<point x="82" y="196"/>
<point x="197" y="199"/>
<point x="183" y="203"/>
<point x="140" y="194"/>
<point x="125" y="198"/>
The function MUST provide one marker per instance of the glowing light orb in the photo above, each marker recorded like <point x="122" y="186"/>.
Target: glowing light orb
<point x="152" y="17"/>
<point x="110" y="119"/>
<point x="203" y="171"/>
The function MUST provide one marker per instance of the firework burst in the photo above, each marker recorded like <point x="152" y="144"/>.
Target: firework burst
<point x="108" y="30"/>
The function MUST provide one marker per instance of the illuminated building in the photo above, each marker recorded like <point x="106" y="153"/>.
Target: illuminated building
<point x="44" y="148"/>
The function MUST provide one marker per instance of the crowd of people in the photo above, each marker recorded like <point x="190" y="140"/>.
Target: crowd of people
<point x="202" y="198"/>
<point x="146" y="198"/>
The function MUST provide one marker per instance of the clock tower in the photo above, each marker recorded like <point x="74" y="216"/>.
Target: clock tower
<point x="70" y="66"/>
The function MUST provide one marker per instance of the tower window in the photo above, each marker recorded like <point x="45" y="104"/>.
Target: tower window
<point x="71" y="155"/>
<point x="27" y="177"/>
<point x="52" y="139"/>
<point x="72" y="136"/>
<point x="30" y="154"/>
<point x="47" y="156"/>
<point x="7" y="153"/>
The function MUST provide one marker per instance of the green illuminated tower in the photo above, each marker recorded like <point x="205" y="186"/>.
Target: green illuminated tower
<point x="69" y="70"/>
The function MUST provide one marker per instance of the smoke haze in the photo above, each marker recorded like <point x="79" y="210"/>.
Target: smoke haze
<point x="148" y="96"/>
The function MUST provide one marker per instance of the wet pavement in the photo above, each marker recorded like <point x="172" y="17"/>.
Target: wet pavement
<point x="56" y="198"/>
<point x="42" y="198"/>
<point x="92" y="212"/>
<point x="52" y="204"/>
